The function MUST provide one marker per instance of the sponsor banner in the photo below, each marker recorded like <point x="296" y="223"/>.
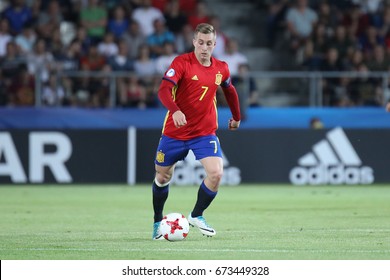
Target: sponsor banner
<point x="310" y="157"/>
<point x="333" y="160"/>
<point x="296" y="156"/>
<point x="71" y="156"/>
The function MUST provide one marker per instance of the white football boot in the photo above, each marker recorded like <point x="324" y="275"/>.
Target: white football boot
<point x="202" y="225"/>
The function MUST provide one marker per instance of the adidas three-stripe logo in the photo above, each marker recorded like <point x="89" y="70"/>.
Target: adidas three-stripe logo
<point x="343" y="151"/>
<point x="332" y="161"/>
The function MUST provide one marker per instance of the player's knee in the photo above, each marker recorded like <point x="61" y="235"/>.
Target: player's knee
<point x="163" y="178"/>
<point x="215" y="176"/>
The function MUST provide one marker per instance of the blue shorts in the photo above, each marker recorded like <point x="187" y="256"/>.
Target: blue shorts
<point x="170" y="151"/>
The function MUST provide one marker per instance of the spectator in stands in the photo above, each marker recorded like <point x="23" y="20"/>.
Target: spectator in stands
<point x="26" y="39"/>
<point x="355" y="60"/>
<point x="355" y="20"/>
<point x="10" y="63"/>
<point x="369" y="40"/>
<point x="159" y="4"/>
<point x="68" y="9"/>
<point x="40" y="61"/>
<point x="275" y="22"/>
<point x="379" y="61"/>
<point x="70" y="59"/>
<point x="132" y="93"/>
<point x="331" y="61"/>
<point x="134" y="39"/>
<point x="343" y="43"/>
<point x="93" y="60"/>
<point x="74" y="10"/>
<point x="300" y="23"/>
<point x="201" y="15"/>
<point x="93" y="90"/>
<point x="363" y="90"/>
<point x="145" y="69"/>
<point x="158" y="38"/>
<point x="82" y="37"/>
<point x="316" y="123"/>
<point x="320" y="39"/>
<point x="49" y="21"/>
<point x="370" y="6"/>
<point x="18" y="14"/>
<point x="119" y="24"/>
<point x="53" y="93"/>
<point x="145" y="15"/>
<point x="36" y="8"/>
<point x="174" y="17"/>
<point x="222" y="38"/>
<point x="246" y="85"/>
<point x="22" y="88"/>
<point x="108" y="46"/>
<point x="184" y="40"/>
<point x="164" y="60"/>
<point x="121" y="61"/>
<point x="94" y="19"/>
<point x="55" y="45"/>
<point x="331" y="85"/>
<point x="5" y="36"/>
<point x="233" y="57"/>
<point x="187" y="6"/>
<point x="328" y="17"/>
<point x="144" y="66"/>
<point x="311" y="61"/>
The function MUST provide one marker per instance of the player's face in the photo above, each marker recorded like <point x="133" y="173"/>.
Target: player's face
<point x="204" y="45"/>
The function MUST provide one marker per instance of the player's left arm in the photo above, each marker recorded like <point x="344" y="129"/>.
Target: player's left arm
<point x="231" y="96"/>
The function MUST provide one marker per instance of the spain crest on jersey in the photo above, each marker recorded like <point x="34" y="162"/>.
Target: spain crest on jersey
<point x="160" y="157"/>
<point x="218" y="79"/>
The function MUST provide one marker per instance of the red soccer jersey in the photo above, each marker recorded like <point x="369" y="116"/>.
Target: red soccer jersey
<point x="195" y="94"/>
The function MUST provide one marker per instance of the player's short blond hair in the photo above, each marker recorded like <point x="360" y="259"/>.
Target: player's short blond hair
<point x="204" y="28"/>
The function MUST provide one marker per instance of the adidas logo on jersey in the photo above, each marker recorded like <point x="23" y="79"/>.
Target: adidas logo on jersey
<point x="332" y="161"/>
<point x="195" y="78"/>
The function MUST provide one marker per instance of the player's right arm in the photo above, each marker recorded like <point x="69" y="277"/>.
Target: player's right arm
<point x="165" y="96"/>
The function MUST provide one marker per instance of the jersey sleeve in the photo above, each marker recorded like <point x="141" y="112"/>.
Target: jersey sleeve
<point x="165" y="96"/>
<point x="227" y="80"/>
<point x="175" y="71"/>
<point x="231" y="94"/>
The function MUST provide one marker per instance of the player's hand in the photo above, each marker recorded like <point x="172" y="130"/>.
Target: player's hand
<point x="388" y="107"/>
<point x="233" y="125"/>
<point x="179" y="119"/>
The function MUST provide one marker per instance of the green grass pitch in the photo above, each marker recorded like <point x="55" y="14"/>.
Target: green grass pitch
<point x="253" y="222"/>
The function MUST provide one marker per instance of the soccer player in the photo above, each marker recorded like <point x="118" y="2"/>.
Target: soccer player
<point x="188" y="90"/>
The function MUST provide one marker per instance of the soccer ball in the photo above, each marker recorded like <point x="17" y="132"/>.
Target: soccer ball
<point x="174" y="227"/>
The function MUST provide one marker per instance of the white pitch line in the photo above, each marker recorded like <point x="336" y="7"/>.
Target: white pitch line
<point x="224" y="231"/>
<point x="197" y="250"/>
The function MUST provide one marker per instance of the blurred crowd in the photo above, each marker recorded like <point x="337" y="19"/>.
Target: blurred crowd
<point x="52" y="41"/>
<point x="46" y="44"/>
<point x="334" y="36"/>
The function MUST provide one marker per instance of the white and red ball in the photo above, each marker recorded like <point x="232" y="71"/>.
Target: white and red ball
<point x="174" y="227"/>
